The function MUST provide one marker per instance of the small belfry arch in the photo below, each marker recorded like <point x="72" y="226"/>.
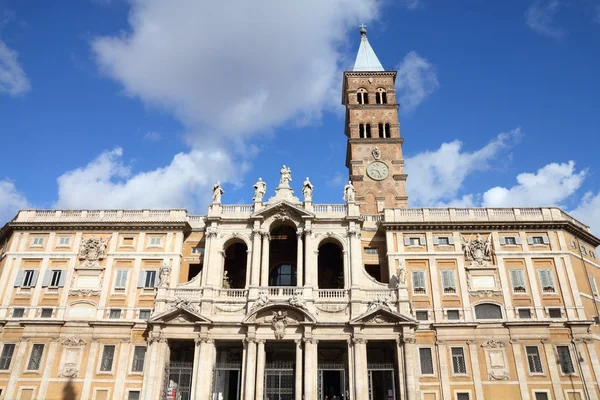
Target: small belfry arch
<point x="381" y="96"/>
<point x="362" y="96"/>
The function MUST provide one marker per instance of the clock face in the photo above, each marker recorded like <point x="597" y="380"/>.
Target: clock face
<point x="377" y="170"/>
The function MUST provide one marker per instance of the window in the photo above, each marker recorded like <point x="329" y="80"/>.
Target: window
<point x="541" y="396"/>
<point x="121" y="279"/>
<point x="453" y="315"/>
<point x="414" y="241"/>
<point x="18" y="312"/>
<point x="108" y="355"/>
<point x="422" y="315"/>
<point x="35" y="358"/>
<point x="37" y="241"/>
<point x="418" y="282"/>
<point x="443" y="241"/>
<point x="362" y="96"/>
<point x="488" y="311"/>
<point x="371" y="251"/>
<point x="198" y="250"/>
<point x="583" y="250"/>
<point x="145" y="314"/>
<point x="449" y="281"/>
<point x="368" y="131"/>
<point x="554" y="313"/>
<point x="147" y="279"/>
<point x="426" y="359"/>
<point x="381" y="96"/>
<point x="533" y="360"/>
<point x="510" y="240"/>
<point x="380" y="129"/>
<point x="54" y="278"/>
<point x="64" y="241"/>
<point x="115" y="313"/>
<point x="155" y="241"/>
<point x="524" y="313"/>
<point x="6" y="356"/>
<point x="573" y="244"/>
<point x="462" y="396"/>
<point x="386" y="130"/>
<point x="458" y="360"/>
<point x="564" y="359"/>
<point x="139" y="354"/>
<point x="537" y="240"/>
<point x="284" y="275"/>
<point x="27" y="278"/>
<point x="517" y="279"/>
<point x="592" y="254"/>
<point x="46" y="313"/>
<point x="127" y="241"/>
<point x="133" y="395"/>
<point x="546" y="280"/>
<point x="593" y="285"/>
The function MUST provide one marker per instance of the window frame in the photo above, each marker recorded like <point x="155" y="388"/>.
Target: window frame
<point x="502" y="312"/>
<point x="133" y="360"/>
<point x="99" y="370"/>
<point x="151" y="238"/>
<point x="519" y="309"/>
<point x="34" y="239"/>
<point x="32" y="278"/>
<point x="371" y="251"/>
<point x="149" y="310"/>
<point x="433" y="361"/>
<point x="12" y="356"/>
<point x="120" y="271"/>
<point x="562" y="314"/>
<point x="539" y="272"/>
<point x="30" y="358"/>
<point x="539" y="356"/>
<point x="452" y="290"/>
<point x="128" y="236"/>
<point x="413" y="287"/>
<point x="422" y="311"/>
<point x="464" y="358"/>
<point x="463" y="391"/>
<point x="59" y="241"/>
<point x="535" y="391"/>
<point x="571" y="359"/>
<point x="593" y="285"/>
<point x="458" y="311"/>
<point x="197" y="250"/>
<point x="139" y="391"/>
<point x="118" y="311"/>
<point x="12" y="314"/>
<point x="512" y="282"/>
<point x="46" y="309"/>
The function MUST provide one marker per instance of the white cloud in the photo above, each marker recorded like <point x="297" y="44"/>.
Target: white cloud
<point x="337" y="180"/>
<point x="13" y="80"/>
<point x="152" y="136"/>
<point x="416" y="81"/>
<point x="549" y="186"/>
<point x="235" y="68"/>
<point x="11" y="201"/>
<point x="108" y="182"/>
<point x="411" y="4"/>
<point x="540" y="18"/>
<point x="435" y="177"/>
<point x="588" y="211"/>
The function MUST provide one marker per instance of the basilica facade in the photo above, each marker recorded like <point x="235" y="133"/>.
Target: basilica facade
<point x="286" y="298"/>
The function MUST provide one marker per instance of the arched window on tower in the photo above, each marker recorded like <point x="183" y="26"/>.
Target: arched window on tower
<point x="386" y="130"/>
<point x="368" y="131"/>
<point x="381" y="132"/>
<point x="381" y="96"/>
<point x="362" y="96"/>
<point x="361" y="131"/>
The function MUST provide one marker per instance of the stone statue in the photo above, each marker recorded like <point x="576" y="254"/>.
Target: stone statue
<point x="226" y="281"/>
<point x="262" y="301"/>
<point x="307" y="190"/>
<point x="478" y="250"/>
<point x="286" y="177"/>
<point x="92" y="250"/>
<point x="260" y="188"/>
<point x="297" y="301"/>
<point x="402" y="276"/>
<point x="163" y="275"/>
<point x="349" y="193"/>
<point x="217" y="192"/>
<point x="279" y="322"/>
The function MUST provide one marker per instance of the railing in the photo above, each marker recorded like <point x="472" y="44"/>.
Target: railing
<point x="281" y="291"/>
<point x="103" y="215"/>
<point x="330" y="208"/>
<point x="380" y="294"/>
<point x="191" y="294"/>
<point x="332" y="294"/>
<point x="232" y="293"/>
<point x="238" y="209"/>
<point x="373" y="217"/>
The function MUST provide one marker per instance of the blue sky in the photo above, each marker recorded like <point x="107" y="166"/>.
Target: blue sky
<point x="115" y="104"/>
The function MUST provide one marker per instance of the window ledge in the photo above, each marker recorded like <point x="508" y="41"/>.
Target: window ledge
<point x="510" y="245"/>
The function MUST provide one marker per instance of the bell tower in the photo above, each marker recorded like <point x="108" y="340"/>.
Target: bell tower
<point x="374" y="149"/>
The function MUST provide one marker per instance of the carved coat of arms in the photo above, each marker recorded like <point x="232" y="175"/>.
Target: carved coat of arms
<point x="478" y="250"/>
<point x="92" y="250"/>
<point x="279" y="322"/>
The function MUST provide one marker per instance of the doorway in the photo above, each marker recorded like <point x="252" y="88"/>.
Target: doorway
<point x="381" y="384"/>
<point x="227" y="372"/>
<point x="331" y="383"/>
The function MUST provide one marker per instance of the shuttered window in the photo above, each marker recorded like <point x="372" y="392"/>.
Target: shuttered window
<point x="593" y="285"/>
<point x="517" y="279"/>
<point x="121" y="279"/>
<point x="418" y="281"/>
<point x="449" y="281"/>
<point x="54" y="278"/>
<point x="426" y="361"/>
<point x="546" y="280"/>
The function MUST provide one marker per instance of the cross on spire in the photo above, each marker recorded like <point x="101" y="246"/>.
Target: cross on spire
<point x="363" y="30"/>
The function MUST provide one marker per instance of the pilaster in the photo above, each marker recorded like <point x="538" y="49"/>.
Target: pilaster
<point x="16" y="369"/>
<point x="310" y="368"/>
<point x="48" y="368"/>
<point x="250" y="369"/>
<point x="264" y="270"/>
<point x="89" y="371"/>
<point x="586" y="374"/>
<point x="442" y="354"/>
<point x="121" y="371"/>
<point x="260" y="369"/>
<point x="298" y="370"/>
<point x="300" y="259"/>
<point x="475" y="369"/>
<point x="410" y="362"/>
<point x="553" y="369"/>
<point x="519" y="364"/>
<point x="361" y="372"/>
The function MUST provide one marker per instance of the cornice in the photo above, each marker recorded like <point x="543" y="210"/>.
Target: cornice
<point x="367" y="74"/>
<point x="101" y="225"/>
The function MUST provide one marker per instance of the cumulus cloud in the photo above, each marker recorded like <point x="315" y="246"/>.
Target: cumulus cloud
<point x="549" y="186"/>
<point x="152" y="136"/>
<point x="540" y="17"/>
<point x="416" y="81"/>
<point x="411" y="4"/>
<point x="588" y="211"/>
<point x="435" y="177"/>
<point x="11" y="201"/>
<point x="108" y="182"/>
<point x="13" y="80"/>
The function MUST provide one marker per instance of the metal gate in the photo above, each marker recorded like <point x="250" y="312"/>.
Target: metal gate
<point x="178" y="384"/>
<point x="224" y="374"/>
<point x="322" y="390"/>
<point x="382" y="385"/>
<point x="279" y="381"/>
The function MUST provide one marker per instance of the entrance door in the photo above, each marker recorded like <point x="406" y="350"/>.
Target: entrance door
<point x="279" y="381"/>
<point x="226" y="382"/>
<point x="381" y="384"/>
<point x="178" y="385"/>
<point x="331" y="384"/>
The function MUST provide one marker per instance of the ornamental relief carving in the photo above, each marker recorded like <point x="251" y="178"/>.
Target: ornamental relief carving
<point x="74" y="341"/>
<point x="91" y="251"/>
<point x="478" y="251"/>
<point x="485" y="293"/>
<point x="84" y="292"/>
<point x="493" y="343"/>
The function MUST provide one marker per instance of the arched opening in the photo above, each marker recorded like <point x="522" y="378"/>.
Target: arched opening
<point x="381" y="131"/>
<point x="488" y="311"/>
<point x="386" y="130"/>
<point x="283" y="253"/>
<point x="362" y="96"/>
<point x="330" y="266"/>
<point x="361" y="131"/>
<point x="381" y="96"/>
<point x="368" y="131"/>
<point x="234" y="275"/>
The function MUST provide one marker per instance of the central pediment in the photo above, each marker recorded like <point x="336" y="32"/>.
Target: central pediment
<point x="283" y="210"/>
<point x="383" y="315"/>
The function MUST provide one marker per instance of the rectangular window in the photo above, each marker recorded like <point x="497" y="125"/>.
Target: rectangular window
<point x="372" y="251"/>
<point x="56" y="278"/>
<point x="541" y="396"/>
<point x="517" y="279"/>
<point x="6" y="356"/>
<point x="64" y="241"/>
<point x="564" y="359"/>
<point x="29" y="278"/>
<point x="149" y="279"/>
<point x="462" y="396"/>
<point x="133" y="395"/>
<point x="554" y="313"/>
<point x="449" y="281"/>
<point x="18" y="312"/>
<point x="592" y="254"/>
<point x="414" y="241"/>
<point x="127" y="241"/>
<point x="422" y="315"/>
<point x="546" y="280"/>
<point x="139" y="354"/>
<point x="418" y="281"/>
<point x="426" y="359"/>
<point x="593" y="285"/>
<point x="453" y="315"/>
<point x="46" y="313"/>
<point x="510" y="240"/>
<point x="145" y="314"/>
<point x="108" y="355"/>
<point x="115" y="314"/>
<point x="443" y="241"/>
<point x="533" y="360"/>
<point x="524" y="313"/>
<point x="121" y="279"/>
<point x="583" y="249"/>
<point x="155" y="241"/>
<point x="197" y="250"/>
<point x="37" y="241"/>
<point x="458" y="360"/>
<point x="537" y="240"/>
<point x="35" y="358"/>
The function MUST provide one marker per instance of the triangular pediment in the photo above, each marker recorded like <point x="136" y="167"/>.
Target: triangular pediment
<point x="383" y="315"/>
<point x="180" y="315"/>
<point x="283" y="209"/>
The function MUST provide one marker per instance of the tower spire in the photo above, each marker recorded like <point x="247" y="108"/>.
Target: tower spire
<point x="366" y="60"/>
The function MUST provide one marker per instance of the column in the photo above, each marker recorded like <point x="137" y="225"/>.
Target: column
<point x="310" y="368"/>
<point x="121" y="371"/>
<point x="410" y="365"/>
<point x="264" y="270"/>
<point x="300" y="259"/>
<point x="256" y="247"/>
<point x="260" y="370"/>
<point x="521" y="374"/>
<point x="243" y="383"/>
<point x="475" y="370"/>
<point x="355" y="256"/>
<point x="553" y="368"/>
<point x="361" y="373"/>
<point x="157" y="385"/>
<point x="149" y="367"/>
<point x="535" y="293"/>
<point x="250" y="368"/>
<point x="196" y="369"/>
<point x="350" y="368"/>
<point x="442" y="353"/>
<point x="310" y="262"/>
<point x="48" y="368"/>
<point x="207" y="361"/>
<point x="298" y="370"/>
<point x="89" y="371"/>
<point x="587" y="378"/>
<point x="16" y="369"/>
<point x="401" y="372"/>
